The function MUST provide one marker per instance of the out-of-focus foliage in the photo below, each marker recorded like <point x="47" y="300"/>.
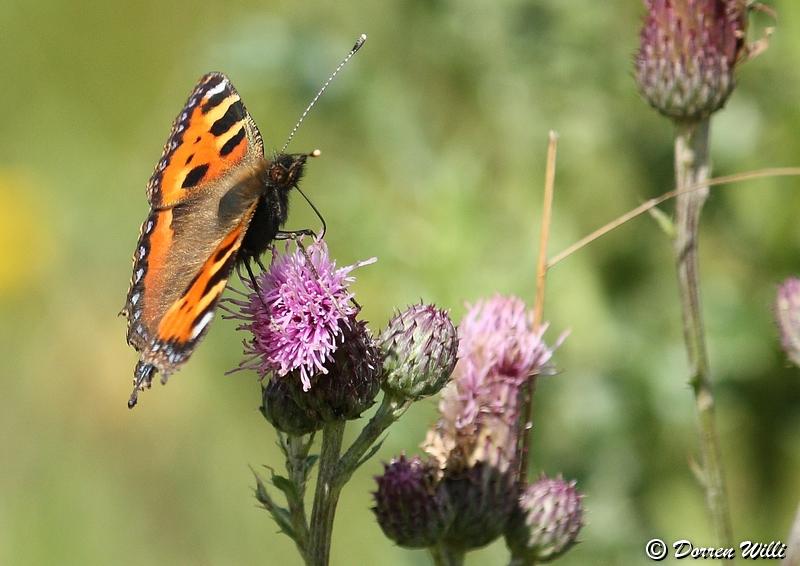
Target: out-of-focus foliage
<point x="433" y="144"/>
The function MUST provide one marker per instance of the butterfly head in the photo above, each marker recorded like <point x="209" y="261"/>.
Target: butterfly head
<point x="286" y="169"/>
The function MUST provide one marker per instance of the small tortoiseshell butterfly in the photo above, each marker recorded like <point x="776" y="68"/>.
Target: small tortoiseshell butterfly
<point x="215" y="201"/>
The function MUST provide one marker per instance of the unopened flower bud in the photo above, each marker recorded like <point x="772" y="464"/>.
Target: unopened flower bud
<point x="787" y="312"/>
<point x="688" y="53"/>
<point x="420" y="346"/>
<point x="411" y="508"/>
<point x="483" y="499"/>
<point x="283" y="412"/>
<point x="547" y="520"/>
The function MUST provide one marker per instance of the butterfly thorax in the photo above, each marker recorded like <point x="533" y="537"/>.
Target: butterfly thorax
<point x="276" y="179"/>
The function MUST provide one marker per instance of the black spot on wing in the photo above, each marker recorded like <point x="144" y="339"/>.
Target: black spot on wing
<point x="220" y="253"/>
<point x="231" y="144"/>
<point x="195" y="176"/>
<point x="234" y="114"/>
<point x="189" y="159"/>
<point x="222" y="273"/>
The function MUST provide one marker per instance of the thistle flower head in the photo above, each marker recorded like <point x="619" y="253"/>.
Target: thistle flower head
<point x="499" y="350"/>
<point x="547" y="520"/>
<point x="410" y="506"/>
<point x="787" y="313"/>
<point x="352" y="382"/>
<point x="281" y="409"/>
<point x="688" y="53"/>
<point x="298" y="321"/>
<point x="483" y="500"/>
<point x="420" y="346"/>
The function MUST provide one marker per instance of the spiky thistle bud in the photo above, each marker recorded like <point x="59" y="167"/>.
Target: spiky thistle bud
<point x="419" y="346"/>
<point x="787" y="313"/>
<point x="483" y="499"/>
<point x="547" y="520"/>
<point x="688" y="53"/>
<point x="282" y="411"/>
<point x="410" y="505"/>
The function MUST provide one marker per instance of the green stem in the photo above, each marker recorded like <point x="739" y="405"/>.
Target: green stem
<point x="692" y="166"/>
<point x="388" y="412"/>
<point x="334" y="472"/>
<point x="296" y="450"/>
<point x="444" y="555"/>
<point x="326" y="496"/>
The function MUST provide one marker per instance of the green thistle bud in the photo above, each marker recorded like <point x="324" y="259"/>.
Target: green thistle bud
<point x="483" y="499"/>
<point x="283" y="412"/>
<point x="352" y="382"/>
<point x="547" y="520"/>
<point x="420" y="346"/>
<point x="411" y="507"/>
<point x="688" y="53"/>
<point x="787" y="312"/>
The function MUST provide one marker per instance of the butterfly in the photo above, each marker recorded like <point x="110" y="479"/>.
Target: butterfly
<point x="215" y="201"/>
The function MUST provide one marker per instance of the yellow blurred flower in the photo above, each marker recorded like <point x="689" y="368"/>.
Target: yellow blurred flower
<point x="25" y="238"/>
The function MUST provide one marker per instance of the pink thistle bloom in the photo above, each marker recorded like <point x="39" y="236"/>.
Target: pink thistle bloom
<point x="787" y="313"/>
<point x="689" y="50"/>
<point x="547" y="521"/>
<point x="298" y="321"/>
<point x="499" y="350"/>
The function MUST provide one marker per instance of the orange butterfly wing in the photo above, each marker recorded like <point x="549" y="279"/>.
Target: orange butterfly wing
<point x="187" y="245"/>
<point x="208" y="138"/>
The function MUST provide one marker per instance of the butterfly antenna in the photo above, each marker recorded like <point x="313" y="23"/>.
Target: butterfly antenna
<point x="359" y="42"/>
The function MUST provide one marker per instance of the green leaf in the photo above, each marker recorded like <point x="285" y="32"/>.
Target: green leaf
<point x="370" y="453"/>
<point x="664" y="221"/>
<point x="309" y="464"/>
<point x="280" y="515"/>
<point x="286" y="486"/>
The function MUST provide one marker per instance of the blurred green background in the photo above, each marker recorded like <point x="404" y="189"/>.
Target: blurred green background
<point x="433" y="143"/>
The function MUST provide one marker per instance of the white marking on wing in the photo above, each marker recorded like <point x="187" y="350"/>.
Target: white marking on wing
<point x="219" y="88"/>
<point x="198" y="328"/>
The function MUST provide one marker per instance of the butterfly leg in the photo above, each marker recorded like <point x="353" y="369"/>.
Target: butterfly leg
<point x="294" y="234"/>
<point x="142" y="377"/>
<point x="253" y="280"/>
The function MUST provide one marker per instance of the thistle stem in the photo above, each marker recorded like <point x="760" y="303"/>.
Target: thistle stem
<point x="692" y="167"/>
<point x="296" y="449"/>
<point x="335" y="472"/>
<point x="326" y="496"/>
<point x="444" y="555"/>
<point x="388" y="412"/>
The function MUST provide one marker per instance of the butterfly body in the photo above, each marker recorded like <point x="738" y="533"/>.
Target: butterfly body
<point x="215" y="201"/>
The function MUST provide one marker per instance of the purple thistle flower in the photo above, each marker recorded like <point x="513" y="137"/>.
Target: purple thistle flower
<point x="547" y="520"/>
<point x="499" y="350"/>
<point x="298" y="321"/>
<point x="787" y="313"/>
<point x="689" y="50"/>
<point x="411" y="508"/>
